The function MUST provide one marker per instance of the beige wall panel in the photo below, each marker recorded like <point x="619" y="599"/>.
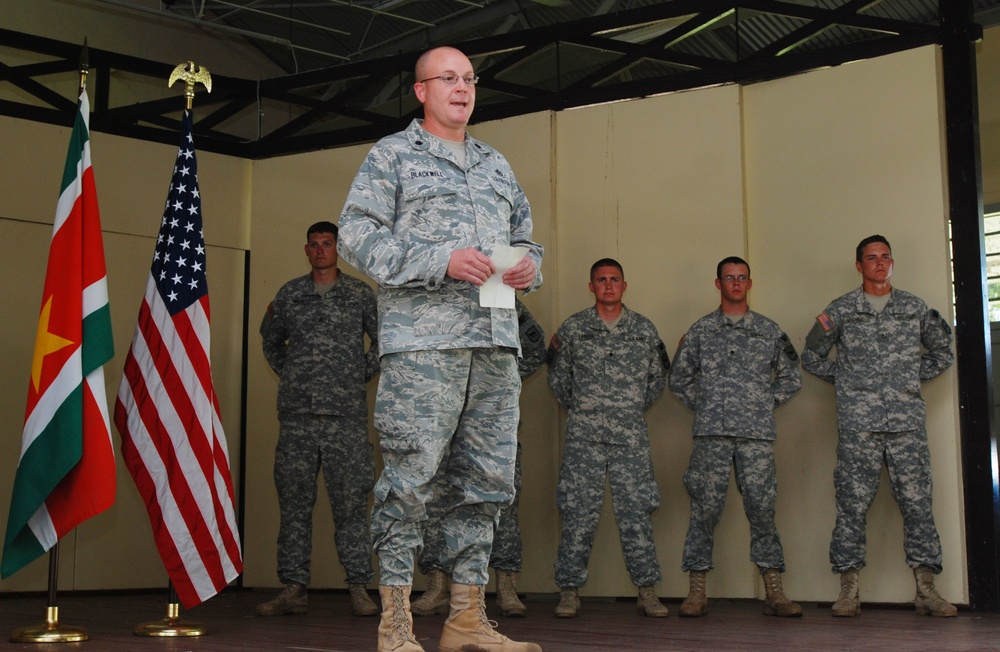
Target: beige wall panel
<point x="526" y="142"/>
<point x="987" y="69"/>
<point x="832" y="157"/>
<point x="289" y="194"/>
<point x="657" y="185"/>
<point x="114" y="549"/>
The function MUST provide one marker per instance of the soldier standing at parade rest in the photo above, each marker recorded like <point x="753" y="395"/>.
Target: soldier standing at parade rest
<point x="733" y="368"/>
<point x="506" y="556"/>
<point x="888" y="341"/>
<point x="314" y="339"/>
<point x="427" y="209"/>
<point x="607" y="366"/>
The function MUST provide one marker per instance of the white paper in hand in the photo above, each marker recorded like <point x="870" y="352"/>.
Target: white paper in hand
<point x="493" y="293"/>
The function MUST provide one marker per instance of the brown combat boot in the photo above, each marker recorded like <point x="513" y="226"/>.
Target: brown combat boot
<point x="361" y="602"/>
<point x="395" y="630"/>
<point x="696" y="603"/>
<point x="776" y="603"/>
<point x="569" y="603"/>
<point x="292" y="600"/>
<point x="647" y="604"/>
<point x="508" y="602"/>
<point x="434" y="600"/>
<point x="928" y="602"/>
<point x="468" y="628"/>
<point x="848" y="604"/>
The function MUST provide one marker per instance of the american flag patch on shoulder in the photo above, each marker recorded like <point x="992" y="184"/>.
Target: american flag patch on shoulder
<point x="825" y="321"/>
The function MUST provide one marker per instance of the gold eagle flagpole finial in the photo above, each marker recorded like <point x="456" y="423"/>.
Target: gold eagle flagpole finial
<point x="191" y="74"/>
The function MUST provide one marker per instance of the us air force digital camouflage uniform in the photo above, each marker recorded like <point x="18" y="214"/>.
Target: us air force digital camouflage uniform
<point x="881" y="415"/>
<point x="449" y="368"/>
<point x="315" y="343"/>
<point x="607" y="379"/>
<point x="507" y="548"/>
<point x="733" y="375"/>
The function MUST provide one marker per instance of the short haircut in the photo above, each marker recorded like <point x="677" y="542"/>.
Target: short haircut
<point x="606" y="262"/>
<point x="730" y="260"/>
<point x="872" y="239"/>
<point x="322" y="227"/>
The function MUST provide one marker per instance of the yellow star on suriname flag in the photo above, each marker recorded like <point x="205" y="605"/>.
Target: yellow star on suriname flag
<point x="45" y="343"/>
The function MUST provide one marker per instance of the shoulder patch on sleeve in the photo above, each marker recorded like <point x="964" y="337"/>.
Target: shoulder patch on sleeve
<point x="789" y="348"/>
<point x="944" y="322"/>
<point x="825" y="321"/>
<point x="553" y="350"/>
<point x="664" y="358"/>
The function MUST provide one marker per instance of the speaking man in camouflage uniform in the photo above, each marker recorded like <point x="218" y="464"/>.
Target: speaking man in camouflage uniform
<point x="314" y="339"/>
<point x="888" y="341"/>
<point x="426" y="211"/>
<point x="506" y="555"/>
<point x="607" y="366"/>
<point x="733" y="368"/>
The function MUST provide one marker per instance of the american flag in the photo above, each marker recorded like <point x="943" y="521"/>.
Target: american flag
<point x="167" y="411"/>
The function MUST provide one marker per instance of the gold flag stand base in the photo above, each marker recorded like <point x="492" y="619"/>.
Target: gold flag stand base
<point x="171" y="625"/>
<point x="50" y="632"/>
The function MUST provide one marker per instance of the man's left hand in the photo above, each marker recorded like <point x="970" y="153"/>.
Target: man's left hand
<point x="521" y="275"/>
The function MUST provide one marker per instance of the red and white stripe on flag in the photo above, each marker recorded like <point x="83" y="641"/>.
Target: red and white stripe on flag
<point x="167" y="412"/>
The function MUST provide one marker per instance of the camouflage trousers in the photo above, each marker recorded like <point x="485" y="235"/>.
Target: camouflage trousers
<point x="586" y="465"/>
<point x="856" y="479"/>
<point x="707" y="480"/>
<point x="462" y="403"/>
<point x="507" y="550"/>
<point x="340" y="447"/>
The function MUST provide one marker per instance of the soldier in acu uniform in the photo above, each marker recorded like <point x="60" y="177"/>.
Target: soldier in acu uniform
<point x="425" y="212"/>
<point x="607" y="366"/>
<point x="733" y="368"/>
<point x="888" y="342"/>
<point x="314" y="334"/>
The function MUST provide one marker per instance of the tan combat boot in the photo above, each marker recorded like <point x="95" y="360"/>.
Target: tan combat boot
<point x="395" y="630"/>
<point x="361" y="602"/>
<point x="434" y="601"/>
<point x="292" y="600"/>
<point x="776" y="603"/>
<point x="508" y="602"/>
<point x="647" y="604"/>
<point x="928" y="602"/>
<point x="848" y="604"/>
<point x="569" y="603"/>
<point x="468" y="628"/>
<point x="695" y="604"/>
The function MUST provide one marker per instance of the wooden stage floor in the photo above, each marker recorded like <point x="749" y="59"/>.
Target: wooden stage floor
<point x="603" y="625"/>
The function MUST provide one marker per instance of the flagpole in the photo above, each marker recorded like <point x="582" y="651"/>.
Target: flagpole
<point x="171" y="625"/>
<point x="52" y="631"/>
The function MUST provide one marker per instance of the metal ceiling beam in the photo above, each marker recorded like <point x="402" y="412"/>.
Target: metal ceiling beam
<point x="347" y="104"/>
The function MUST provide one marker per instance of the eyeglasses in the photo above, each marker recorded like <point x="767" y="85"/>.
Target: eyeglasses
<point x="729" y="278"/>
<point x="451" y="79"/>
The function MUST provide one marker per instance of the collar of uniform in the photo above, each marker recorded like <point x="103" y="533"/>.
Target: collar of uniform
<point x="746" y="321"/>
<point x="423" y="141"/>
<point x="861" y="302"/>
<point x="624" y="319"/>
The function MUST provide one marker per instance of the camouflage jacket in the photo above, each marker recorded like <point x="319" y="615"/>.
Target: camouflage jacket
<point x="316" y="345"/>
<point x="607" y="380"/>
<point x="879" y="362"/>
<point x="410" y="206"/>
<point x="734" y="375"/>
